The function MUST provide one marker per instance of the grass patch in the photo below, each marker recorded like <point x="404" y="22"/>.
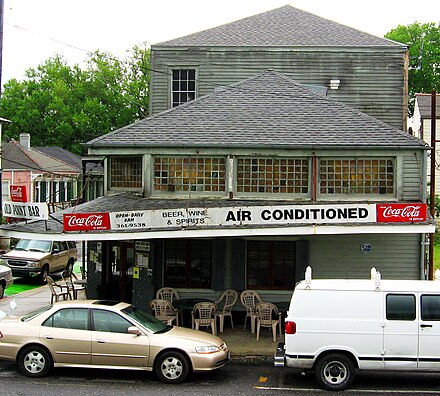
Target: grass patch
<point x="21" y="285"/>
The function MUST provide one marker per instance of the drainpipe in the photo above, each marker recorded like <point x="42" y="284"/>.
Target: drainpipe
<point x="432" y="180"/>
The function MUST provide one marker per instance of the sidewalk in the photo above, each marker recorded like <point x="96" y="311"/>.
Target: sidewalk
<point x="243" y="344"/>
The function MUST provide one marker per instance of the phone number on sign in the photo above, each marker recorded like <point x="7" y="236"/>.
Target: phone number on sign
<point x="132" y="225"/>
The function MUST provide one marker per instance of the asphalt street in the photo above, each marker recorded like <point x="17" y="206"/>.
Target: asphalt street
<point x="234" y="379"/>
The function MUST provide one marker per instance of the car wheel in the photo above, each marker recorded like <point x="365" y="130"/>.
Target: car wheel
<point x="43" y="275"/>
<point x="69" y="266"/>
<point x="335" y="372"/>
<point x="172" y="367"/>
<point x="2" y="290"/>
<point x="35" y="361"/>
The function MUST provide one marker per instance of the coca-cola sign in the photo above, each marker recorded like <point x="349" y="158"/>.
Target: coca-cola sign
<point x="86" y="222"/>
<point x="18" y="193"/>
<point x="401" y="213"/>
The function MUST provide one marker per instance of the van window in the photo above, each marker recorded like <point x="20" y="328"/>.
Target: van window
<point x="430" y="307"/>
<point x="401" y="307"/>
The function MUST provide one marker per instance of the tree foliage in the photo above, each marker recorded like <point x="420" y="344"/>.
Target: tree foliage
<point x="424" y="56"/>
<point x="60" y="105"/>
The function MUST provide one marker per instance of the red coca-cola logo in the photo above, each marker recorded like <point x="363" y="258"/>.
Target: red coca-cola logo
<point x="18" y="193"/>
<point x="401" y="213"/>
<point x="86" y="222"/>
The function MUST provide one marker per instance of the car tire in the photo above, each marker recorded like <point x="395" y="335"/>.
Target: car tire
<point x="335" y="372"/>
<point x="69" y="266"/>
<point x="43" y="275"/>
<point x="172" y="367"/>
<point x="2" y="290"/>
<point x="35" y="361"/>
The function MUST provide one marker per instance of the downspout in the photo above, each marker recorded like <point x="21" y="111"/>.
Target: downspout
<point x="423" y="243"/>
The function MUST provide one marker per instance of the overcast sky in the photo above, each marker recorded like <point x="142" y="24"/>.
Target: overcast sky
<point x="35" y="30"/>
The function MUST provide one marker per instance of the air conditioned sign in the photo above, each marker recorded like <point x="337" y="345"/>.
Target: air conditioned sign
<point x="26" y="210"/>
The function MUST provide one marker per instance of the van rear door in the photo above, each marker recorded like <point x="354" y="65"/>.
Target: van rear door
<point x="401" y="331"/>
<point x="429" y="331"/>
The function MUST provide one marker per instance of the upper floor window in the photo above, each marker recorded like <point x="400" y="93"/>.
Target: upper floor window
<point x="273" y="175"/>
<point x="126" y="172"/>
<point x="206" y="174"/>
<point x="183" y="86"/>
<point x="356" y="176"/>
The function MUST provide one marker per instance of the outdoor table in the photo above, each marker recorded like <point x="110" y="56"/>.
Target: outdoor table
<point x="186" y="305"/>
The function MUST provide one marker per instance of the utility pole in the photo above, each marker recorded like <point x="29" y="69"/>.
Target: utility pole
<point x="432" y="180"/>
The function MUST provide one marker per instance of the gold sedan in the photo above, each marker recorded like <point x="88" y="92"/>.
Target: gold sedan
<point x="106" y="334"/>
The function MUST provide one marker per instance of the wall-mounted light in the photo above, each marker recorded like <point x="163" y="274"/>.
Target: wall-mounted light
<point x="334" y="84"/>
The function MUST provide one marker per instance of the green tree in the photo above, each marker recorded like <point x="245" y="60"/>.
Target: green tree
<point x="63" y="106"/>
<point x="424" y="56"/>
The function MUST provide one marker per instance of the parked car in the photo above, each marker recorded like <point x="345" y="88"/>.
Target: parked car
<point x="6" y="279"/>
<point x="335" y="327"/>
<point x="38" y="258"/>
<point x="105" y="334"/>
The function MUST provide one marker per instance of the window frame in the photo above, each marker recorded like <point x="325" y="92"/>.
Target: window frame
<point x="110" y="174"/>
<point x="358" y="195"/>
<point x="171" y="91"/>
<point x="176" y="185"/>
<point x="281" y="194"/>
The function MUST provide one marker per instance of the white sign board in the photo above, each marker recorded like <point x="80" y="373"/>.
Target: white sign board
<point x="249" y="215"/>
<point x="26" y="210"/>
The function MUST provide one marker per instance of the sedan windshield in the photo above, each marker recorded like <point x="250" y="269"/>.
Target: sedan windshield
<point x="146" y="320"/>
<point x="33" y="245"/>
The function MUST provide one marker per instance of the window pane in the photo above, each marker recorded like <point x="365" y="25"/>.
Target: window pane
<point x="401" y="307"/>
<point x="126" y="172"/>
<point x="183" y="174"/>
<point x="183" y="86"/>
<point x="273" y="175"/>
<point x="356" y="176"/>
<point x="430" y="307"/>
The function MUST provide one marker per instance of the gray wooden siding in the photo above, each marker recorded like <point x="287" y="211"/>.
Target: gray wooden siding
<point x="396" y="256"/>
<point x="371" y="80"/>
<point x="412" y="173"/>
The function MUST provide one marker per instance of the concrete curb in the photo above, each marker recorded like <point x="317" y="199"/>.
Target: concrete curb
<point x="254" y="360"/>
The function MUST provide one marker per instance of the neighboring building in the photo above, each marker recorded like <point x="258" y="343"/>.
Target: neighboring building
<point x="422" y="129"/>
<point x="244" y="188"/>
<point x="366" y="72"/>
<point x="50" y="174"/>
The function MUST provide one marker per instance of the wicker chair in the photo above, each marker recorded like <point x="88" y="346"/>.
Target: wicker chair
<point x="164" y="311"/>
<point x="268" y="316"/>
<point x="224" y="307"/>
<point x="203" y="315"/>
<point x="249" y="299"/>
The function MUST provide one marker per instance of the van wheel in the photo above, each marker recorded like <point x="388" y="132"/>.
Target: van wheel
<point x="2" y="290"/>
<point x="335" y="372"/>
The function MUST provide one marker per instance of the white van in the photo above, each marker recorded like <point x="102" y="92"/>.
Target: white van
<point x="336" y="326"/>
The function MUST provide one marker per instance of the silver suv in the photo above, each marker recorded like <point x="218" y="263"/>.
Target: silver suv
<point x="6" y="279"/>
<point x="36" y="258"/>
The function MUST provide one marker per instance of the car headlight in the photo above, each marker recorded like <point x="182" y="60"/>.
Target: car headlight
<point x="4" y="262"/>
<point x="207" y="349"/>
<point x="32" y="264"/>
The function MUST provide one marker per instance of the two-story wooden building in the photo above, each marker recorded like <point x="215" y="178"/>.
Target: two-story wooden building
<point x="244" y="188"/>
<point x="366" y="72"/>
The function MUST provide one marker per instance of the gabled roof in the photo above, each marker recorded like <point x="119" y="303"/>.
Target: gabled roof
<point x="62" y="155"/>
<point x="423" y="101"/>
<point x="283" y="27"/>
<point x="16" y="157"/>
<point x="266" y="111"/>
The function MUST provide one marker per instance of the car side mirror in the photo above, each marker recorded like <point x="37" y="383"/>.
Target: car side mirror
<point x="55" y="250"/>
<point x="134" y="330"/>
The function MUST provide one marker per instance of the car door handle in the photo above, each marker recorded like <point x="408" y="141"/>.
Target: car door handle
<point x="48" y="338"/>
<point x="425" y="325"/>
<point x="100" y="341"/>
